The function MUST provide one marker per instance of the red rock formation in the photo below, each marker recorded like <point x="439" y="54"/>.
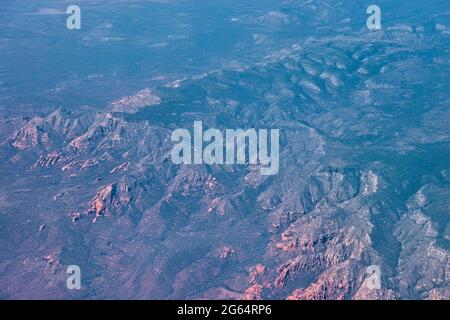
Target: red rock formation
<point x="49" y="160"/>
<point x="109" y="199"/>
<point x="253" y="293"/>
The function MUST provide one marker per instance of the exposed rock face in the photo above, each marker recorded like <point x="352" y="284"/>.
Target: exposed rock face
<point x="253" y="293"/>
<point x="105" y="200"/>
<point x="50" y="131"/>
<point x="132" y="104"/>
<point x="364" y="180"/>
<point x="48" y="160"/>
<point x="423" y="255"/>
<point x="34" y="133"/>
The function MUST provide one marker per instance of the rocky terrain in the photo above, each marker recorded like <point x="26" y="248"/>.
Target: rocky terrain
<point x="364" y="177"/>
